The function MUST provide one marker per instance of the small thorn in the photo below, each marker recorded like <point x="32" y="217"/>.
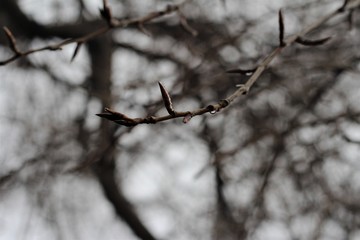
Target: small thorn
<point x="281" y="29"/>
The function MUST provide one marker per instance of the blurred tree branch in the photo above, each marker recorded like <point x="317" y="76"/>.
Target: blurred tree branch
<point x="260" y="145"/>
<point x="112" y="23"/>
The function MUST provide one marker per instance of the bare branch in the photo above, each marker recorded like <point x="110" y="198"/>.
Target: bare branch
<point x="106" y="14"/>
<point x="186" y="25"/>
<point x="12" y="41"/>
<point x="106" y="175"/>
<point x="122" y="119"/>
<point x="244" y="88"/>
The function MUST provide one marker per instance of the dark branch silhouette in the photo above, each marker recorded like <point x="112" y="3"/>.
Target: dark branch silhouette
<point x="243" y="89"/>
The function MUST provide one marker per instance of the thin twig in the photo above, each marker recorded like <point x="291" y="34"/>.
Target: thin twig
<point x="12" y="41"/>
<point x="112" y="23"/>
<point x="243" y="89"/>
<point x="186" y="25"/>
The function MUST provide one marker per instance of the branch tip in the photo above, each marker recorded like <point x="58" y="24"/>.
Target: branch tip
<point x="185" y="24"/>
<point x="187" y="118"/>
<point x="144" y="30"/>
<point x="77" y="48"/>
<point x="307" y="42"/>
<point x="166" y="99"/>
<point x="12" y="40"/>
<point x="242" y="71"/>
<point x="281" y="30"/>
<point x="106" y="14"/>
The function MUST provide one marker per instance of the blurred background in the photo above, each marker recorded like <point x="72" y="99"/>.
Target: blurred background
<point x="279" y="163"/>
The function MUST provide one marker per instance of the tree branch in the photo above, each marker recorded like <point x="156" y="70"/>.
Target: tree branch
<point x="106" y="176"/>
<point x="112" y="23"/>
<point x="243" y="88"/>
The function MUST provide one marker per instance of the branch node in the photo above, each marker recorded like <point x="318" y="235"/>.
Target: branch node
<point x="150" y="120"/>
<point x="187" y="117"/>
<point x="224" y="103"/>
<point x="210" y="108"/>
